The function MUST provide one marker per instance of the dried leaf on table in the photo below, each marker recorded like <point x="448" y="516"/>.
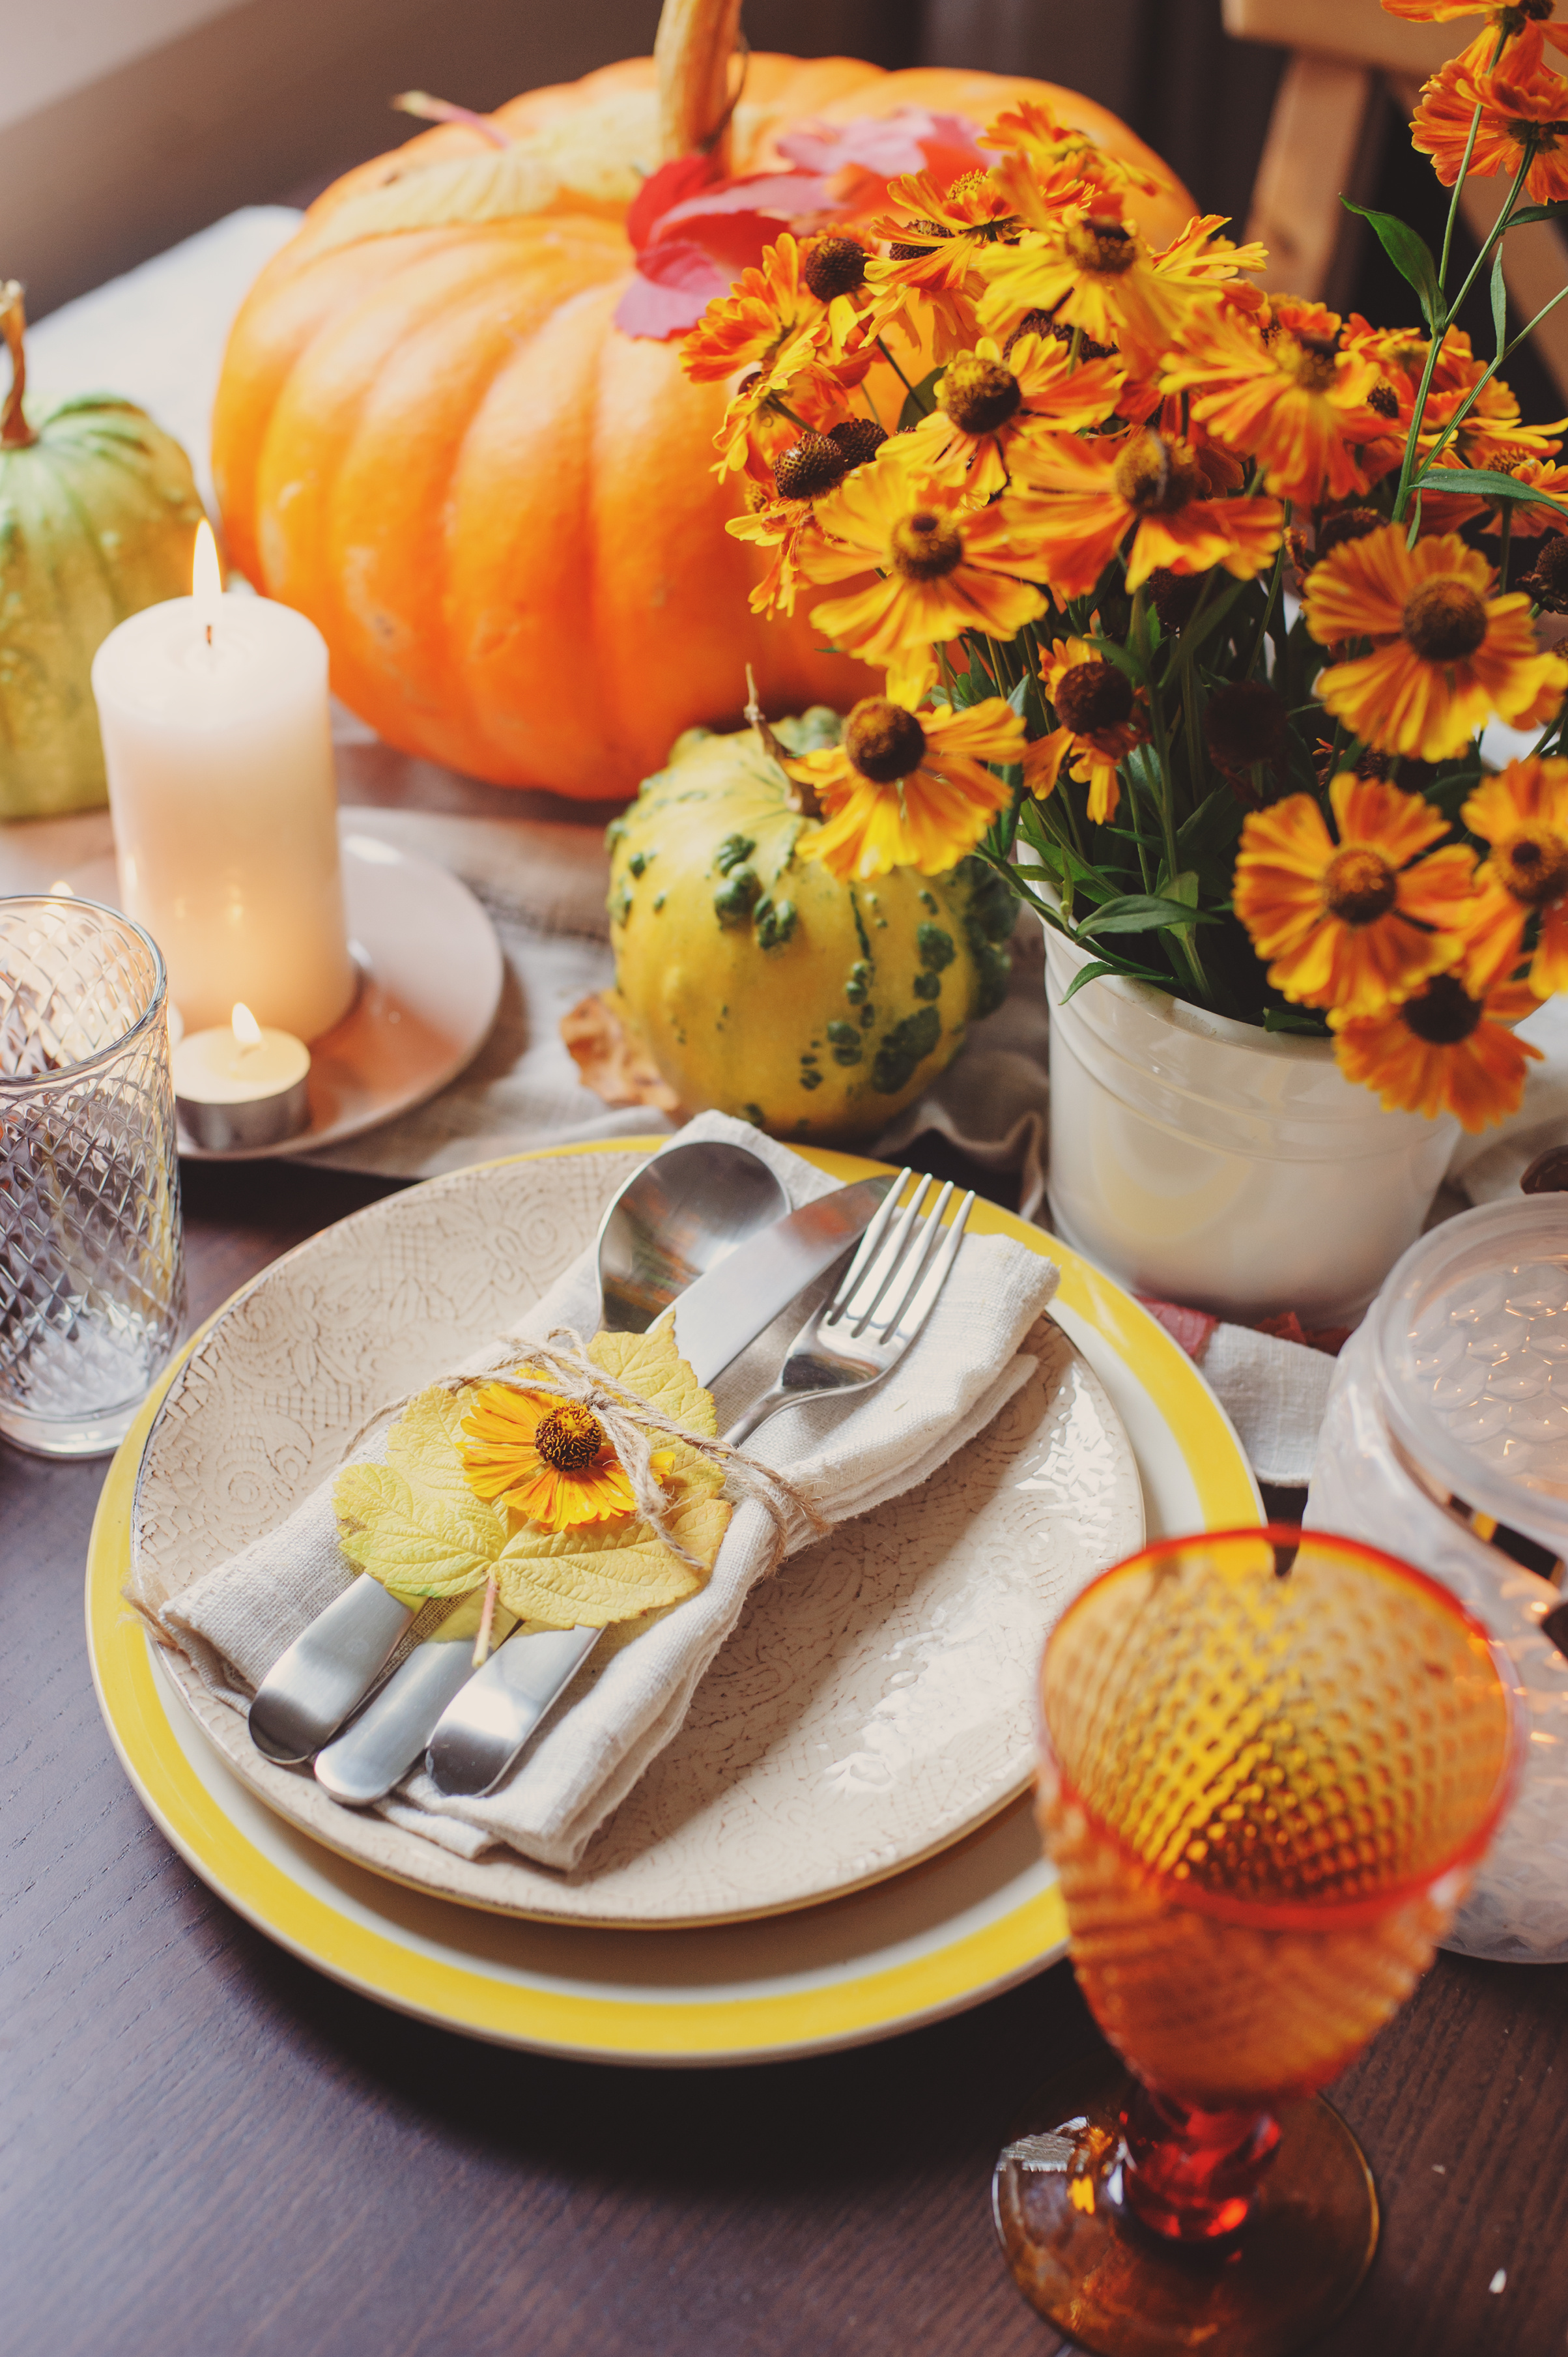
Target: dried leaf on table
<point x="610" y="1062"/>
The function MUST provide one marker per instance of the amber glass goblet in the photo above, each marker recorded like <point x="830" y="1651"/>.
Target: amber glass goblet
<point x="1269" y="1760"/>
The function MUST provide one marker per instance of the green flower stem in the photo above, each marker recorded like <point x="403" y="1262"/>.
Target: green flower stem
<point x="882" y="348"/>
<point x="1439" y="335"/>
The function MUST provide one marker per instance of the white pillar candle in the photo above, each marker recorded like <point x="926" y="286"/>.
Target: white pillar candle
<point x="218" y="748"/>
<point x="238" y="1084"/>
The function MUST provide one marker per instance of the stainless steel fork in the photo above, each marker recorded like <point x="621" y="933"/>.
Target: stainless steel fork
<point x="882" y="1301"/>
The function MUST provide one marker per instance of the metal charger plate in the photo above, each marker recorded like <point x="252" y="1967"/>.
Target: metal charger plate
<point x="925" y="1942"/>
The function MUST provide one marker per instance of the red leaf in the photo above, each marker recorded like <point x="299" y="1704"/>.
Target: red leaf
<point x="672" y="286"/>
<point x="786" y="195"/>
<point x="908" y="140"/>
<point x="663" y="188"/>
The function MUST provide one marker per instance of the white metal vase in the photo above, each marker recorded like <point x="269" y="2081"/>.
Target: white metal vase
<point x="1210" y="1162"/>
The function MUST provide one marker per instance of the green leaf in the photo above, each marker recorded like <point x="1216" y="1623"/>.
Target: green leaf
<point x="1500" y="304"/>
<point x="1204" y="839"/>
<point x="921" y="400"/>
<point x="1486" y="484"/>
<point x="1529" y="213"/>
<point x="1104" y="966"/>
<point x="1142" y="912"/>
<point x="1294" y="1018"/>
<point x="1411" y="257"/>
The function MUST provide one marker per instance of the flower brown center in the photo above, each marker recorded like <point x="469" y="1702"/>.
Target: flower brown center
<point x="884" y="740"/>
<point x="929" y="230"/>
<point x="1245" y="723"/>
<point x="1534" y="865"/>
<point x="1384" y="399"/>
<point x="978" y="395"/>
<point x="808" y="467"/>
<point x="1360" y="886"/>
<point x="1548" y="584"/>
<point x="1154" y="476"/>
<point x="925" y="546"/>
<point x="1443" y="1015"/>
<point x="1310" y="360"/>
<point x="1444" y="620"/>
<point x="1345" y="524"/>
<point x="859" y="438"/>
<point x="1093" y="696"/>
<point x="569" y="1438"/>
<point x="1108" y="247"/>
<point x="832" y="266"/>
<point x="1175" y="596"/>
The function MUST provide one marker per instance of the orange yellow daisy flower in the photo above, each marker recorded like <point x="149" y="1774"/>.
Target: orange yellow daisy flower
<point x="1356" y="922"/>
<point x="947" y="566"/>
<point x="772" y="326"/>
<point x="1522" y="816"/>
<point x="1085" y="497"/>
<point x="546" y="1457"/>
<point x="1523" y="107"/>
<point x="984" y="403"/>
<point x="1083" y="265"/>
<point x="803" y="473"/>
<point x="1446" y="655"/>
<point x="907" y="788"/>
<point x="1283" y="390"/>
<point x="1447" y="1049"/>
<point x="927" y="281"/>
<point x="1100" y="719"/>
<point x="1057" y="150"/>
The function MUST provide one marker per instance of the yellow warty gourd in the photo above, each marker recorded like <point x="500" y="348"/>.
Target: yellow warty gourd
<point x="761" y="986"/>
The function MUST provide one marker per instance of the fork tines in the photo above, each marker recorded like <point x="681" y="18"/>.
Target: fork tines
<point x="902" y="1264"/>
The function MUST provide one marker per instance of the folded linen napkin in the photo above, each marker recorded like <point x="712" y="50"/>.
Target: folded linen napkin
<point x="634" y="1691"/>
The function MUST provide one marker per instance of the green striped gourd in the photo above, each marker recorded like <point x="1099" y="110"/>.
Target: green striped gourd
<point x="98" y="517"/>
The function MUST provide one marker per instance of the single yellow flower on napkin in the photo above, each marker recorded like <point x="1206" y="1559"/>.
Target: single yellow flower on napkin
<point x="416" y="1523"/>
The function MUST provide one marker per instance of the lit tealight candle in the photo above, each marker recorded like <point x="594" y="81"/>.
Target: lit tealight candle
<point x="240" y="1085"/>
<point x="218" y="748"/>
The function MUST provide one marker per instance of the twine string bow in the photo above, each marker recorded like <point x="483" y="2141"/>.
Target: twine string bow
<point x="560" y="1367"/>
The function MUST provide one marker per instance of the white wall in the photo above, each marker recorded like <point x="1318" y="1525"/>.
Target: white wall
<point x="58" y="47"/>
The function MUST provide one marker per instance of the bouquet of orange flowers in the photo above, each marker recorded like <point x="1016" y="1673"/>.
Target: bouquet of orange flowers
<point x="1191" y="601"/>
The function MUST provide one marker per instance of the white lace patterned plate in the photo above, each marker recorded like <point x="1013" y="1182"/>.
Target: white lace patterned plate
<point x="875" y="1702"/>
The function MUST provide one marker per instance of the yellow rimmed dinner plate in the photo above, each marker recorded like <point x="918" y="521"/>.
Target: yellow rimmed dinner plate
<point x="981" y="1915"/>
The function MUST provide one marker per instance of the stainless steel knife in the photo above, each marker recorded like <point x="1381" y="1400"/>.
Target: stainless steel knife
<point x="483" y="1728"/>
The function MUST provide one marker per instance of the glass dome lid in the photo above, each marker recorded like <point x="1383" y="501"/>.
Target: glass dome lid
<point x="1470" y="1343"/>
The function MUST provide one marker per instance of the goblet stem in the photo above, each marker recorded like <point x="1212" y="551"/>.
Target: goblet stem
<point x="1189" y="2175"/>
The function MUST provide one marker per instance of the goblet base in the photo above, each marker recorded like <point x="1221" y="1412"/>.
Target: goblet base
<point x="1117" y="2290"/>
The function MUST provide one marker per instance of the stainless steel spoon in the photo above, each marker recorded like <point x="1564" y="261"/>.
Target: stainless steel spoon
<point x="673" y="1220"/>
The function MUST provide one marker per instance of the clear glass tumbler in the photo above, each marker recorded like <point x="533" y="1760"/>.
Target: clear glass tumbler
<point x="92" y="1263"/>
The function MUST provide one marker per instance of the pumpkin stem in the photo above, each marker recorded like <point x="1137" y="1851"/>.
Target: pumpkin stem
<point x="441" y="110"/>
<point x="802" y="797"/>
<point x="15" y="431"/>
<point x="696" y="45"/>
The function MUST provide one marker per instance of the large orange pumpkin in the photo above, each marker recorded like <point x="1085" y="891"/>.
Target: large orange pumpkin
<point x="497" y="508"/>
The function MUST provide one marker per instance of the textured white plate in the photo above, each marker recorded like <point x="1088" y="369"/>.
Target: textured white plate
<point x="983" y="1915"/>
<point x="875" y="1703"/>
<point x="431" y="973"/>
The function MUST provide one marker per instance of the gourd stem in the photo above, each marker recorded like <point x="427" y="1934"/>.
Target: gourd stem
<point x="15" y="431"/>
<point x="696" y="41"/>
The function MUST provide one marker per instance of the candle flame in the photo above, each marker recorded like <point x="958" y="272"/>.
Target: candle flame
<point x="60" y="890"/>
<point x="247" y="1030"/>
<point x="206" y="579"/>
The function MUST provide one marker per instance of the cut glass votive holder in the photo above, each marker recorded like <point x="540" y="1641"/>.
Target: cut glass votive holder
<point x="91" y="1259"/>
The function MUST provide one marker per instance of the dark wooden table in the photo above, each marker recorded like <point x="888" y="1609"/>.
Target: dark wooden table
<point x="206" y="2147"/>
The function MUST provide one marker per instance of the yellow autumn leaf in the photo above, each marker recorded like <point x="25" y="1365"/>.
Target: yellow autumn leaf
<point x="415" y="1526"/>
<point x="586" y="163"/>
<point x="412" y="1538"/>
